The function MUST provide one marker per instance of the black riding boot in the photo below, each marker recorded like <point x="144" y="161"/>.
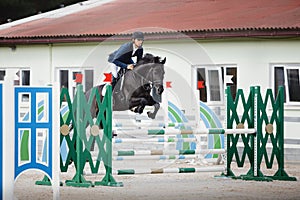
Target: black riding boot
<point x="117" y="90"/>
<point x="113" y="83"/>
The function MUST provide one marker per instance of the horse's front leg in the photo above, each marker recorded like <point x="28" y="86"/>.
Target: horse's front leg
<point x="152" y="102"/>
<point x="153" y="114"/>
<point x="138" y="103"/>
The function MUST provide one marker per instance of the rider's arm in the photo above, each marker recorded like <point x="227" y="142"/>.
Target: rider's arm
<point x="120" y="64"/>
<point x="121" y="55"/>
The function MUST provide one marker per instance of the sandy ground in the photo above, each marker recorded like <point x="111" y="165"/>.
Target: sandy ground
<point x="167" y="186"/>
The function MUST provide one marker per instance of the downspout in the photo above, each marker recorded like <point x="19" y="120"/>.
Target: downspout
<point x="51" y="69"/>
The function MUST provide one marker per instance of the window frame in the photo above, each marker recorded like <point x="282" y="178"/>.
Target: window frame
<point x="18" y="78"/>
<point x="223" y="81"/>
<point x="208" y="86"/>
<point x="285" y="66"/>
<point x="71" y="83"/>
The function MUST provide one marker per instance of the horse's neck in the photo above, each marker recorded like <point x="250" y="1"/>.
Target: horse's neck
<point x="143" y="70"/>
<point x="139" y="76"/>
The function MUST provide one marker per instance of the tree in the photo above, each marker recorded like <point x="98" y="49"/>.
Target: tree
<point x="11" y="10"/>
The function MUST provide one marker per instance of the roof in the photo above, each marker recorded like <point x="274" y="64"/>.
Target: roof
<point x="99" y="19"/>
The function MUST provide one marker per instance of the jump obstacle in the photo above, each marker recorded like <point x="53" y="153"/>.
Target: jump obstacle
<point x="269" y="130"/>
<point x="261" y="130"/>
<point x="71" y="140"/>
<point x="28" y="134"/>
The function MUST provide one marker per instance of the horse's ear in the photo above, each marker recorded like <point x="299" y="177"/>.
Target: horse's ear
<point x="163" y="61"/>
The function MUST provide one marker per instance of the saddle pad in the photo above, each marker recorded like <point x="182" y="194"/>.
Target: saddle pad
<point x="104" y="89"/>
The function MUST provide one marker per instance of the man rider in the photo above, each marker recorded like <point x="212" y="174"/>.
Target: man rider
<point x="121" y="59"/>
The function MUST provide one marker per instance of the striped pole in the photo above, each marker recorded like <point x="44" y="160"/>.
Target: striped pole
<point x="194" y="131"/>
<point x="169" y="170"/>
<point x="146" y="140"/>
<point x="139" y="124"/>
<point x="153" y="124"/>
<point x="179" y="124"/>
<point x="156" y="157"/>
<point x="166" y="152"/>
<point x="164" y="170"/>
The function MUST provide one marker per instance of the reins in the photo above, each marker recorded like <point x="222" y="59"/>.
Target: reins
<point x="145" y="80"/>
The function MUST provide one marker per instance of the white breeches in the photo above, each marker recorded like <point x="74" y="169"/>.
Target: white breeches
<point x="114" y="69"/>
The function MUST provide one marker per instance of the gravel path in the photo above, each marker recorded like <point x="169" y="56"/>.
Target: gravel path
<point x="166" y="186"/>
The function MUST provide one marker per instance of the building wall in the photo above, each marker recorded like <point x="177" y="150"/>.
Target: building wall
<point x="253" y="59"/>
<point x="36" y="58"/>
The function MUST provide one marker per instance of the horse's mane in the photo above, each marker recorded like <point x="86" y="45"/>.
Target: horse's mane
<point x="148" y="58"/>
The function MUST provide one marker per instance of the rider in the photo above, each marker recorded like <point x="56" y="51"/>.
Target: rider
<point x="121" y="59"/>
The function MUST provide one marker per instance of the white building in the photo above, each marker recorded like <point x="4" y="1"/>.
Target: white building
<point x="219" y="42"/>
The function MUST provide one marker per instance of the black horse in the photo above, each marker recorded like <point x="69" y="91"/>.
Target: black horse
<point x="136" y="87"/>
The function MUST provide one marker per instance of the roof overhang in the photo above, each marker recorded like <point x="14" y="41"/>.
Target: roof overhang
<point x="215" y="34"/>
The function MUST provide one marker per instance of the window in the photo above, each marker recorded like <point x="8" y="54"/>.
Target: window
<point x="21" y="76"/>
<point x="89" y="79"/>
<point x="288" y="76"/>
<point x="25" y="77"/>
<point x="212" y="80"/>
<point x="64" y="78"/>
<point x="2" y="74"/>
<point x="214" y="84"/>
<point x="67" y="77"/>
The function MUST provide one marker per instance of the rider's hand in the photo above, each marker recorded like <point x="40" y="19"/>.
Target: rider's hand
<point x="130" y="66"/>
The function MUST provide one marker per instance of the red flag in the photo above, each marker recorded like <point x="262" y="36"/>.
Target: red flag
<point x="108" y="77"/>
<point x="78" y="78"/>
<point x="168" y="84"/>
<point x="200" y="84"/>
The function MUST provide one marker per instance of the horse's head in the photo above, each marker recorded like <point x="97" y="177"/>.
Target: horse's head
<point x="153" y="70"/>
<point x="158" y="59"/>
<point x="158" y="73"/>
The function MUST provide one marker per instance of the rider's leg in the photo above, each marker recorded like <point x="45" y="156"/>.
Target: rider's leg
<point x="113" y="82"/>
<point x="114" y="72"/>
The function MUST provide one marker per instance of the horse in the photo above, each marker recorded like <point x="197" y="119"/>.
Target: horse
<point x="136" y="87"/>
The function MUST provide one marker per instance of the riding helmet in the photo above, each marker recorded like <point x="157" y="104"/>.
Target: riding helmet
<point x="138" y="35"/>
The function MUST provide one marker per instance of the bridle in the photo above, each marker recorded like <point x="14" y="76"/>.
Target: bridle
<point x="148" y="79"/>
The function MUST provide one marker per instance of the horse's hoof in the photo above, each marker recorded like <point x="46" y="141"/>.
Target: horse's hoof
<point x="114" y="134"/>
<point x="140" y="111"/>
<point x="134" y="109"/>
<point x="151" y="115"/>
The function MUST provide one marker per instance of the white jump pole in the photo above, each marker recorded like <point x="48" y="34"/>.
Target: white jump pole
<point x="166" y="152"/>
<point x="162" y="170"/>
<point x="8" y="138"/>
<point x="158" y="140"/>
<point x="56" y="141"/>
<point x="194" y="131"/>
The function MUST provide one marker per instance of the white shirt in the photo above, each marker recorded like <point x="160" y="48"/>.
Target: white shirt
<point x="134" y="49"/>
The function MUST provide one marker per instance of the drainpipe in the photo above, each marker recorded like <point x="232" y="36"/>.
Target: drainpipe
<point x="51" y="71"/>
